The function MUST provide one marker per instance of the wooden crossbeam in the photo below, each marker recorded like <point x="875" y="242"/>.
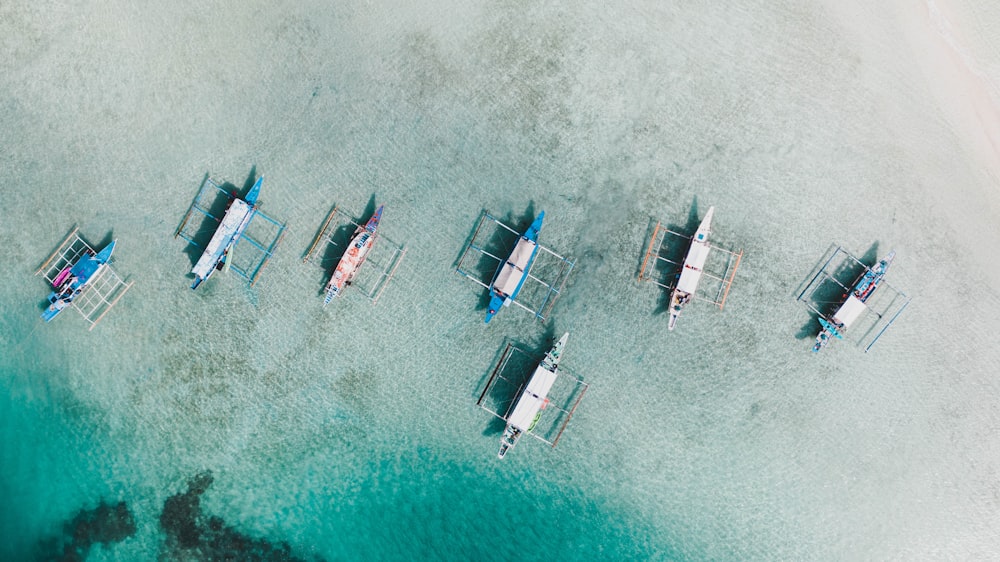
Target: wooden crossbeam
<point x="321" y="234"/>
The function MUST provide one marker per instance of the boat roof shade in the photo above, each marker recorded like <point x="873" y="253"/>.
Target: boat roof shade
<point x="532" y="399"/>
<point x="849" y="311"/>
<point x="235" y="216"/>
<point x="690" y="276"/>
<point x="512" y="270"/>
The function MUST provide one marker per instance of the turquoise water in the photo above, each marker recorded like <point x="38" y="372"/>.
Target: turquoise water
<point x="351" y="432"/>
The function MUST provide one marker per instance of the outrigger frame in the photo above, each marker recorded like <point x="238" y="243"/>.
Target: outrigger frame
<point x="566" y="410"/>
<point x="203" y="202"/>
<point x="477" y="246"/>
<point x="654" y="257"/>
<point x="103" y="291"/>
<point x="335" y="220"/>
<point x="886" y="313"/>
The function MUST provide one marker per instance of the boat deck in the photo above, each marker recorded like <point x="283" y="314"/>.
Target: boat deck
<point x="827" y="293"/>
<point x="103" y="291"/>
<point x="256" y="245"/>
<point x="663" y="265"/>
<point x="489" y="247"/>
<point x="332" y="240"/>
<point x="558" y="396"/>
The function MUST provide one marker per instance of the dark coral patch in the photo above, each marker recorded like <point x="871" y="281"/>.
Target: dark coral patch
<point x="192" y="535"/>
<point x="105" y="524"/>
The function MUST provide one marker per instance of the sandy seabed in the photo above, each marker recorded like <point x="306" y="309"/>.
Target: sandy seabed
<point x="190" y="424"/>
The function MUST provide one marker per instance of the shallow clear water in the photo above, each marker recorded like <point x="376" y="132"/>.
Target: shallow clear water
<point x="351" y="432"/>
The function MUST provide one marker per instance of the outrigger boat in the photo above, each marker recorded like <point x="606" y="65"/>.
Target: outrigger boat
<point x="512" y="273"/>
<point x="357" y="251"/>
<point x="72" y="280"/>
<point x="535" y="291"/>
<point x="854" y="305"/>
<point x="534" y="399"/>
<point x="238" y="216"/>
<point x="687" y="284"/>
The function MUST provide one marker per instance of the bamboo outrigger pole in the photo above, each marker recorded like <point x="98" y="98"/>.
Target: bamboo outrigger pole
<point x="729" y="283"/>
<point x="322" y="232"/>
<point x="59" y="251"/>
<point x="111" y="305"/>
<point x="496" y="371"/>
<point x="649" y="251"/>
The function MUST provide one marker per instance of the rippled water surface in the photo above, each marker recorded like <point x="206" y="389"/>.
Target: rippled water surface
<point x="237" y="421"/>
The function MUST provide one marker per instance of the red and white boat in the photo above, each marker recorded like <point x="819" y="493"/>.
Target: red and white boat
<point x="357" y="251"/>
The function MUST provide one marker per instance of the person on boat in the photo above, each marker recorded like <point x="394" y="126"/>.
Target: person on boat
<point x="67" y="287"/>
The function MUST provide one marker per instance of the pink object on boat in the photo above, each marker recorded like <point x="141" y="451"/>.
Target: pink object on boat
<point x="61" y="277"/>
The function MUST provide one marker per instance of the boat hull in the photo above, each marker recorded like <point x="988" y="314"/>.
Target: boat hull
<point x="691" y="271"/>
<point x="513" y="272"/>
<point x="72" y="281"/>
<point x="234" y="223"/>
<point x="533" y="399"/>
<point x="854" y="306"/>
<point x="357" y="252"/>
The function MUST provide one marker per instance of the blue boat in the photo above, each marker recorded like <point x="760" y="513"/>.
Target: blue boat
<point x="513" y="272"/>
<point x="854" y="305"/>
<point x="73" y="280"/>
<point x="238" y="216"/>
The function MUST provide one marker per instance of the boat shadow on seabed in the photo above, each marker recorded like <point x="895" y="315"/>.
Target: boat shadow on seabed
<point x="827" y="292"/>
<point x="829" y="297"/>
<point x="663" y="268"/>
<point x="512" y="370"/>
<point x="487" y="249"/>
<point x="335" y="236"/>
<point x="500" y="242"/>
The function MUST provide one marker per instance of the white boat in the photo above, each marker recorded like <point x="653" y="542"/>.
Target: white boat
<point x="687" y="284"/>
<point x="533" y="399"/>
<point x="238" y="216"/>
<point x="855" y="305"/>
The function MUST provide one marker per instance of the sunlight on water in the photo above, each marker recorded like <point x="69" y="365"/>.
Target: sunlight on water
<point x="192" y="422"/>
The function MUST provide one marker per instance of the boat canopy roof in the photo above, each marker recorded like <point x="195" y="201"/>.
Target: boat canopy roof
<point x="514" y="269"/>
<point x="693" y="265"/>
<point x="236" y="217"/>
<point x="532" y="399"/>
<point x="849" y="311"/>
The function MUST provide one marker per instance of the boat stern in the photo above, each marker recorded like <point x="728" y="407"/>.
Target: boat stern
<point x="509" y="440"/>
<point x="54" y="309"/>
<point x="829" y="330"/>
<point x="677" y="301"/>
<point x="331" y="293"/>
<point x="496" y="303"/>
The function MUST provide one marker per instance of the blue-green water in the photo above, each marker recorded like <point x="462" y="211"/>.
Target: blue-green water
<point x="351" y="432"/>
